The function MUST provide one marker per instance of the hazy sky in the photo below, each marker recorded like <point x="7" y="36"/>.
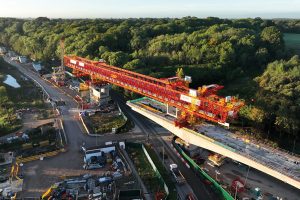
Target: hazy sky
<point x="149" y="8"/>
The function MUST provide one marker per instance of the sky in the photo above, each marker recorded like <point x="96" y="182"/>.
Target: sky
<point x="150" y="8"/>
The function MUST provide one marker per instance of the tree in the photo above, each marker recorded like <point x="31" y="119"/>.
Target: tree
<point x="118" y="58"/>
<point x="279" y="93"/>
<point x="102" y="50"/>
<point x="3" y="96"/>
<point x="180" y="73"/>
<point x="272" y="38"/>
<point x="134" y="64"/>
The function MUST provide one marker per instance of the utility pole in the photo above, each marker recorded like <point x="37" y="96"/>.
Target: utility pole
<point x="235" y="191"/>
<point x="217" y="173"/>
<point x="247" y="176"/>
<point x="163" y="152"/>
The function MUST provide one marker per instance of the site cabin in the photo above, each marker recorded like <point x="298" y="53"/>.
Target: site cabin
<point x="22" y="59"/>
<point x="98" y="153"/>
<point x="177" y="174"/>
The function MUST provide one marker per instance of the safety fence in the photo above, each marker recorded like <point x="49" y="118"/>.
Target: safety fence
<point x="136" y="100"/>
<point x="223" y="193"/>
<point x="136" y="145"/>
<point x="20" y="159"/>
<point x="156" y="170"/>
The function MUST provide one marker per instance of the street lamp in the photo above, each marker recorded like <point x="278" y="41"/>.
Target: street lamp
<point x="236" y="185"/>
<point x="247" y="176"/>
<point x="163" y="154"/>
<point x="217" y="173"/>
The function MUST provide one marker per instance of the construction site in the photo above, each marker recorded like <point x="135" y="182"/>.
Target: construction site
<point x="199" y="117"/>
<point x="108" y="175"/>
<point x="173" y="105"/>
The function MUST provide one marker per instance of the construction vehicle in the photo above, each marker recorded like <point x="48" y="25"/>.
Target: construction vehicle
<point x="216" y="159"/>
<point x="179" y="178"/>
<point x="48" y="193"/>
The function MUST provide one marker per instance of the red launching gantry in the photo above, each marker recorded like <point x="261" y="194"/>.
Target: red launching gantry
<point x="202" y="103"/>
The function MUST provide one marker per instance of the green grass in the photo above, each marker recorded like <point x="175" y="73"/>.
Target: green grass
<point x="292" y="41"/>
<point x="144" y="168"/>
<point x="103" y="123"/>
<point x="163" y="172"/>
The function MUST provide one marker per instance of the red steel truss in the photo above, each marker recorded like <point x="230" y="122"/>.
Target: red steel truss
<point x="201" y="103"/>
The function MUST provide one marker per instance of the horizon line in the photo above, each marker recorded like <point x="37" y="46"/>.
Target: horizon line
<point x="151" y="17"/>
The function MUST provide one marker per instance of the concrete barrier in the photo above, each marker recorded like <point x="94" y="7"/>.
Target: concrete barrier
<point x="63" y="130"/>
<point x="85" y="126"/>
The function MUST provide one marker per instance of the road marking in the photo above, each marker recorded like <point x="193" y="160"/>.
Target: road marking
<point x="181" y="158"/>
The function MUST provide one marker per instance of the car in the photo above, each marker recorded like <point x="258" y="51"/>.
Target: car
<point x="200" y="161"/>
<point x="190" y="197"/>
<point x="163" y="155"/>
<point x="92" y="166"/>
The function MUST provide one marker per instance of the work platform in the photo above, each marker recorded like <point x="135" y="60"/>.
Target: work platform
<point x="277" y="164"/>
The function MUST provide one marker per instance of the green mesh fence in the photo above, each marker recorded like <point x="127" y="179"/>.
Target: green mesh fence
<point x="136" y="100"/>
<point x="162" y="182"/>
<point x="223" y="193"/>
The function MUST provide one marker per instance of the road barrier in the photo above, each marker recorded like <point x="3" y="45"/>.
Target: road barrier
<point x="225" y="195"/>
<point x="85" y="126"/>
<point x="63" y="130"/>
<point x="20" y="159"/>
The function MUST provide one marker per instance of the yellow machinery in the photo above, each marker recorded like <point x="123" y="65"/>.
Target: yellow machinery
<point x="47" y="194"/>
<point x="217" y="159"/>
<point x="83" y="87"/>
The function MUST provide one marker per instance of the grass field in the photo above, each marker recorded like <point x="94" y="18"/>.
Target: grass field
<point x="144" y="168"/>
<point x="103" y="123"/>
<point x="292" y="41"/>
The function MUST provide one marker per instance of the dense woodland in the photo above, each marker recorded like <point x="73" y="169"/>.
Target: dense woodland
<point x="8" y="121"/>
<point x="248" y="56"/>
<point x="288" y="25"/>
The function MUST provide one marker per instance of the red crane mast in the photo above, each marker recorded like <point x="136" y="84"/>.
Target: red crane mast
<point x="201" y="103"/>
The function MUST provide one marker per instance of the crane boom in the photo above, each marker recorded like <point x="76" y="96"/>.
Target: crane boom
<point x="172" y="91"/>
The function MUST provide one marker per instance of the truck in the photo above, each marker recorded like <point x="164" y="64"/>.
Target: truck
<point x="177" y="174"/>
<point x="216" y="159"/>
